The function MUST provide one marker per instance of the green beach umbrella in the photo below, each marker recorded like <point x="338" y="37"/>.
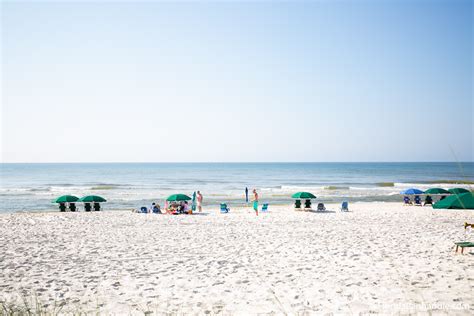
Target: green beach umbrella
<point x="437" y="191"/>
<point x="457" y="201"/>
<point x="303" y="195"/>
<point x="178" y="197"/>
<point x="92" y="198"/>
<point x="66" y="199"/>
<point x="458" y="191"/>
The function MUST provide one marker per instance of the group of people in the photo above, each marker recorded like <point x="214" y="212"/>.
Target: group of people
<point x="179" y="208"/>
<point x="175" y="207"/>
<point x="183" y="207"/>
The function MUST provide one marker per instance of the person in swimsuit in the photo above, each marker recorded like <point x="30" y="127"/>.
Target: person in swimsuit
<point x="199" y="201"/>
<point x="255" y="201"/>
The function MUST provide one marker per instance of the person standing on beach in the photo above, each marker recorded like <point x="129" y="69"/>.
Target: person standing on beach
<point x="246" y="195"/>
<point x="255" y="201"/>
<point x="199" y="201"/>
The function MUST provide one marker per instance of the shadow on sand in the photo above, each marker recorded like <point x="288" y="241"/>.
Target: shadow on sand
<point x="319" y="212"/>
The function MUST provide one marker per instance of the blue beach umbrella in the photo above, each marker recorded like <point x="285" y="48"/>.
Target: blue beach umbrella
<point x="412" y="191"/>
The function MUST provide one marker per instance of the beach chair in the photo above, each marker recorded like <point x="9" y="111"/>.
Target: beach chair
<point x="345" y="206"/>
<point x="428" y="200"/>
<point x="463" y="244"/>
<point x="307" y="205"/>
<point x="417" y="200"/>
<point x="321" y="207"/>
<point x="156" y="210"/>
<point x="96" y="207"/>
<point x="407" y="201"/>
<point x="143" y="210"/>
<point x="224" y="208"/>
<point x="62" y="207"/>
<point x="87" y="207"/>
<point x="298" y="205"/>
<point x="72" y="207"/>
<point x="265" y="207"/>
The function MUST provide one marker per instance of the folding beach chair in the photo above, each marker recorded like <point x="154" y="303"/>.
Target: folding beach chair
<point x="417" y="200"/>
<point x="465" y="244"/>
<point x="96" y="207"/>
<point x="428" y="200"/>
<point x="345" y="206"/>
<point x="72" y="207"/>
<point x="143" y="209"/>
<point x="407" y="201"/>
<point x="87" y="207"/>
<point x="307" y="205"/>
<point x="321" y="207"/>
<point x="265" y="207"/>
<point x="224" y="208"/>
<point x="298" y="205"/>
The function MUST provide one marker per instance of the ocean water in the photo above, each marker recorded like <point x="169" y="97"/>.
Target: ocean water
<point x="31" y="187"/>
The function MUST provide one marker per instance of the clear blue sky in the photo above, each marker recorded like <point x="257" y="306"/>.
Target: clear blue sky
<point x="213" y="81"/>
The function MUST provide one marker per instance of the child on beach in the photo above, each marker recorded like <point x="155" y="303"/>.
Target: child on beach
<point x="255" y="201"/>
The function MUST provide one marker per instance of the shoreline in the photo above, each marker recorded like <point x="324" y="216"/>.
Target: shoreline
<point x="214" y="206"/>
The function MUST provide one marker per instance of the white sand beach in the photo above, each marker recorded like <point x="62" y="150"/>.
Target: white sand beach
<point x="378" y="258"/>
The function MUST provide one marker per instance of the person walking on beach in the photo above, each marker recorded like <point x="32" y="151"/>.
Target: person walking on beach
<point x="246" y="195"/>
<point x="199" y="201"/>
<point x="255" y="201"/>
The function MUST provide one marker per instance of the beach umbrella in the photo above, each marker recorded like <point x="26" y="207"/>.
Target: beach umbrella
<point x="303" y="195"/>
<point x="457" y="201"/>
<point x="92" y="198"/>
<point x="66" y="199"/>
<point x="412" y="191"/>
<point x="436" y="191"/>
<point x="178" y="197"/>
<point x="458" y="191"/>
